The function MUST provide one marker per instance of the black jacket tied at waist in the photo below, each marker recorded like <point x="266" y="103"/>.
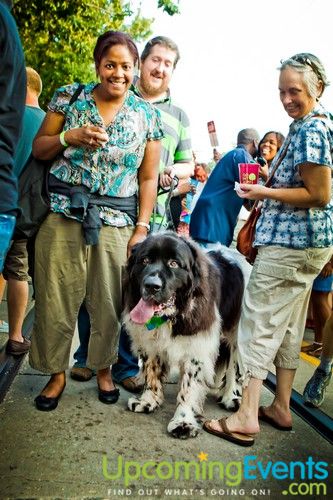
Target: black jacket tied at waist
<point x="84" y="205"/>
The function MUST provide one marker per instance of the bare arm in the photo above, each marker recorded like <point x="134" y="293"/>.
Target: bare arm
<point x="47" y="145"/>
<point x="180" y="170"/>
<point x="148" y="178"/>
<point x="315" y="193"/>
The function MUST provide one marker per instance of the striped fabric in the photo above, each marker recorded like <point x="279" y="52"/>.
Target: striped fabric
<point x="176" y="144"/>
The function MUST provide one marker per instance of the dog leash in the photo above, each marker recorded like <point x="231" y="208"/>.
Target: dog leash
<point x="173" y="185"/>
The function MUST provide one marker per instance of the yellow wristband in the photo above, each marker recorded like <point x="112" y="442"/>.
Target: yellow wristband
<point x="62" y="139"/>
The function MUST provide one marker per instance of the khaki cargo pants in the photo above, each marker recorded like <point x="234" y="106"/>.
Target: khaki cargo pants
<point x="274" y="308"/>
<point x="67" y="272"/>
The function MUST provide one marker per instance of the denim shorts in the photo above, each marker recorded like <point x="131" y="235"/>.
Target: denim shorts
<point x="323" y="284"/>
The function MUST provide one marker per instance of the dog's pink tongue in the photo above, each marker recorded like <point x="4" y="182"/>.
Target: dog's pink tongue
<point x="143" y="311"/>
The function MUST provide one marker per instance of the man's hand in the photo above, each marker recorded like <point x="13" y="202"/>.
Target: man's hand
<point x="166" y="177"/>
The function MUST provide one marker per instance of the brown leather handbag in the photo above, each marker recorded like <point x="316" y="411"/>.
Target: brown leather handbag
<point x="246" y="234"/>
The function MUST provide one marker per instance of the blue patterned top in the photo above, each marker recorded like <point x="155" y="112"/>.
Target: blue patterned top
<point x="111" y="170"/>
<point x="280" y="224"/>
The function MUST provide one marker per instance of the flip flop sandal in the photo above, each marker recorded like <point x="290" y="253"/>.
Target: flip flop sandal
<point x="311" y="347"/>
<point x="316" y="352"/>
<point x="234" y="437"/>
<point x="265" y="418"/>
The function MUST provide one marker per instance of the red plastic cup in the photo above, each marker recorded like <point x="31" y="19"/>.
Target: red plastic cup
<point x="248" y="173"/>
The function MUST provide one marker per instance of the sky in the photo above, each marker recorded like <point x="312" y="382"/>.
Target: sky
<point x="230" y="51"/>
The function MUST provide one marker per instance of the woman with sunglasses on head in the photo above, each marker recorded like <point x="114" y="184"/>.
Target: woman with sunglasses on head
<point x="105" y="148"/>
<point x="294" y="236"/>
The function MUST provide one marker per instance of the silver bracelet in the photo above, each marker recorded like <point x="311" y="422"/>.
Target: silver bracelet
<point x="143" y="224"/>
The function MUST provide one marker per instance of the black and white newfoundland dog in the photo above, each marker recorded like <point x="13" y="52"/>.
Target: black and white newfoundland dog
<point x="182" y="308"/>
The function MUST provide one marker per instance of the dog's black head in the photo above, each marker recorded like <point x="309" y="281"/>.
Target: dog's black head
<point x="162" y="271"/>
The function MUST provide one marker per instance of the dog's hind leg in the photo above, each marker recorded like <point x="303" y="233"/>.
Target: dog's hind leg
<point x="230" y="390"/>
<point x="187" y="419"/>
<point x="152" y="397"/>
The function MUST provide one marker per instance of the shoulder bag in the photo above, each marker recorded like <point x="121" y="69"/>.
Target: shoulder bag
<point x="33" y="192"/>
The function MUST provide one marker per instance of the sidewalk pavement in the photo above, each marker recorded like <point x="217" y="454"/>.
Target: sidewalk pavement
<point x="60" y="454"/>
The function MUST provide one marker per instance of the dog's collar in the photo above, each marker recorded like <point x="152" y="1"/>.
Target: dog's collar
<point x="156" y="321"/>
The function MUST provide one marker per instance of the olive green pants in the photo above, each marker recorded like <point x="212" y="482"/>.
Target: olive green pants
<point x="67" y="272"/>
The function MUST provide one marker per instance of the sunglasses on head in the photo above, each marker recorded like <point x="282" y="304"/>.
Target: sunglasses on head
<point x="306" y="61"/>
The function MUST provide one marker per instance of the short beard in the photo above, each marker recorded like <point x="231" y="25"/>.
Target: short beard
<point x="151" y="91"/>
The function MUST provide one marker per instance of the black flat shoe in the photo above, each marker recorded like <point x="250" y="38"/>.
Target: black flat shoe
<point x="43" y="403"/>
<point x="108" y="397"/>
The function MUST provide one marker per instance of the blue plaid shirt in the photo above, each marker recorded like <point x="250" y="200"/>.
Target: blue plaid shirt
<point x="280" y="224"/>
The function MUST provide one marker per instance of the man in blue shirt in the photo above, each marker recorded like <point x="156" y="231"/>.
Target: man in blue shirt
<point x="215" y="214"/>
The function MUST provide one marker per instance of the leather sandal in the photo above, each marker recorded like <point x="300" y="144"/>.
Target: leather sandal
<point x="241" y="438"/>
<point x="262" y="415"/>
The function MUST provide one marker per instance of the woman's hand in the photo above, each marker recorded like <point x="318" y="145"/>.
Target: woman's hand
<point x="263" y="171"/>
<point x="252" y="191"/>
<point x="88" y="136"/>
<point x="47" y="145"/>
<point x="139" y="234"/>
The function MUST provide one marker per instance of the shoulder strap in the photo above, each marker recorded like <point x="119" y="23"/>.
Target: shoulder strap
<point x="270" y="178"/>
<point x="278" y="162"/>
<point x="76" y="94"/>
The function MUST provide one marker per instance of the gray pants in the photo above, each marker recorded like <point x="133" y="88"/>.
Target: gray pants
<point x="67" y="271"/>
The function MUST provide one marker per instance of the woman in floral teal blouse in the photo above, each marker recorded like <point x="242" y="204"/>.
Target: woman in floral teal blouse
<point x="294" y="236"/>
<point x="105" y="147"/>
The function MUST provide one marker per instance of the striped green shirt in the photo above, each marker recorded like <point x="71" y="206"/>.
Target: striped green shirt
<point x="176" y="143"/>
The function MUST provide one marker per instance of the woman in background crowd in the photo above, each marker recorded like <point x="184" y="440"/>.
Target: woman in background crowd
<point x="268" y="147"/>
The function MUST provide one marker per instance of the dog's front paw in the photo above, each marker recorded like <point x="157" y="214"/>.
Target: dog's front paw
<point x="183" y="430"/>
<point x="140" y="406"/>
<point x="228" y="403"/>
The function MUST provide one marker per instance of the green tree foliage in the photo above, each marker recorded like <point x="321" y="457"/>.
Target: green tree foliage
<point x="58" y="36"/>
